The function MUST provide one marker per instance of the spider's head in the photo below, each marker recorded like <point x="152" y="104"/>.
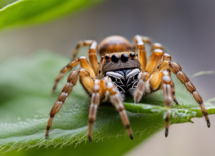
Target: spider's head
<point x="119" y="60"/>
<point x="120" y="56"/>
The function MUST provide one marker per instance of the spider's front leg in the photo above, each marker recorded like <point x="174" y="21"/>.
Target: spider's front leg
<point x="154" y="59"/>
<point x="98" y="92"/>
<point x="151" y="80"/>
<point x="140" y="91"/>
<point x="103" y="88"/>
<point x="87" y="81"/>
<point x="116" y="100"/>
<point x="154" y="83"/>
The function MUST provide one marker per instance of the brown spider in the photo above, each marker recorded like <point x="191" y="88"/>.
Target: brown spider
<point x="122" y="71"/>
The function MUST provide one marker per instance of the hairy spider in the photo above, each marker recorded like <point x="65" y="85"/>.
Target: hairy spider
<point x="122" y="71"/>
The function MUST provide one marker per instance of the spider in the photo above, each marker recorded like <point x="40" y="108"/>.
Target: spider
<point x="123" y="69"/>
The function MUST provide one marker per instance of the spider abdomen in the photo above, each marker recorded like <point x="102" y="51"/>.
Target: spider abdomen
<point x="114" y="44"/>
<point x="125" y="80"/>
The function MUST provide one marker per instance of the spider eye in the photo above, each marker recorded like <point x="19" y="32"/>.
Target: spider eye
<point x="124" y="57"/>
<point x="132" y="55"/>
<point x="115" y="58"/>
<point x="107" y="57"/>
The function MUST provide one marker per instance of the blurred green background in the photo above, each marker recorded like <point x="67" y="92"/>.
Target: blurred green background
<point x="184" y="27"/>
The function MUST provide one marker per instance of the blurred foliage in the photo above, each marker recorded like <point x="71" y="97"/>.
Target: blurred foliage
<point x="203" y="73"/>
<point x="26" y="12"/>
<point x="25" y="102"/>
<point x="4" y="3"/>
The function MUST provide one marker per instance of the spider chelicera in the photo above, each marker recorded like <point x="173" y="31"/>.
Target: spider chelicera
<point x="123" y="69"/>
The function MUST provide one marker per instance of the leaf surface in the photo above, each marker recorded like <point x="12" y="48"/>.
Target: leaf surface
<point x="26" y="100"/>
<point x="28" y="12"/>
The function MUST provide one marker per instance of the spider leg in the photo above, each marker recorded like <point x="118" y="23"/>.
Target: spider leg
<point x="91" y="53"/>
<point x="139" y="45"/>
<point x="144" y="39"/>
<point x="93" y="57"/>
<point x="166" y="80"/>
<point x="173" y="91"/>
<point x="140" y="91"/>
<point x="167" y="57"/>
<point x="83" y="63"/>
<point x="153" y="61"/>
<point x="157" y="46"/>
<point x="98" y="92"/>
<point x="161" y="79"/>
<point x="116" y="100"/>
<point x="79" y="45"/>
<point x="176" y="69"/>
<point x="71" y="81"/>
<point x="100" y="89"/>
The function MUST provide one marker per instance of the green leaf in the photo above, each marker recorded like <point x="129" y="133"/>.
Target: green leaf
<point x="26" y="100"/>
<point x="25" y="12"/>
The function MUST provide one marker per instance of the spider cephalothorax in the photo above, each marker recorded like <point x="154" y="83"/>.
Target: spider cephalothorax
<point x="123" y="69"/>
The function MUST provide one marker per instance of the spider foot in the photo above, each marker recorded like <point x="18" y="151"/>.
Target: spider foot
<point x="131" y="136"/>
<point x="176" y="102"/>
<point x="208" y="124"/>
<point x="166" y="132"/>
<point x="90" y="138"/>
<point x="47" y="136"/>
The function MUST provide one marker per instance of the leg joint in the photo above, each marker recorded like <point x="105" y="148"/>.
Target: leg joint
<point x="91" y="120"/>
<point x="127" y="126"/>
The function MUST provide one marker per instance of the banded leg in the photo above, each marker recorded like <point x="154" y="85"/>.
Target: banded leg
<point x="83" y="63"/>
<point x="176" y="69"/>
<point x="155" y="81"/>
<point x="167" y="57"/>
<point x="166" y="80"/>
<point x="139" y="45"/>
<point x="71" y="81"/>
<point x="79" y="45"/>
<point x="99" y="91"/>
<point x="93" y="57"/>
<point x="141" y="87"/>
<point x="157" y="46"/>
<point x="116" y="100"/>
<point x="91" y="53"/>
<point x="154" y="60"/>
<point x="173" y="92"/>
<point x="95" y="101"/>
